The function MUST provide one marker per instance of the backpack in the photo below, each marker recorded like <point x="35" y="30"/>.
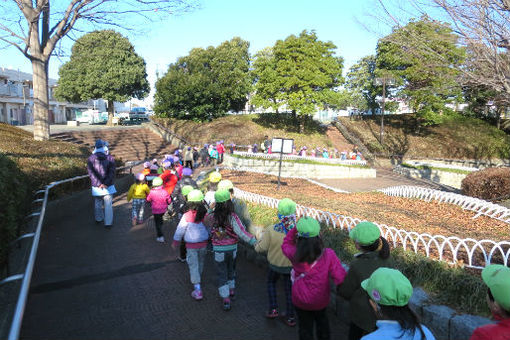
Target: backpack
<point x="304" y="287"/>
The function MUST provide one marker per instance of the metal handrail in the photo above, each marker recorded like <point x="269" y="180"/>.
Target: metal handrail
<point x="27" y="275"/>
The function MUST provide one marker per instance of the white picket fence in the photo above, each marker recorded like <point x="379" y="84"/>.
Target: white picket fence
<point x="479" y="206"/>
<point x="294" y="157"/>
<point x="472" y="253"/>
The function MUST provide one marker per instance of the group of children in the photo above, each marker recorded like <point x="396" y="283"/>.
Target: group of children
<point x="378" y="293"/>
<point x="318" y="152"/>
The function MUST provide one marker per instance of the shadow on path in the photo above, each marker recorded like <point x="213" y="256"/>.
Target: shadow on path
<point x="93" y="283"/>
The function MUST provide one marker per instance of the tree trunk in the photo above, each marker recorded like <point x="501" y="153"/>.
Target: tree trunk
<point x="110" y="113"/>
<point x="302" y="123"/>
<point x="498" y="122"/>
<point x="41" y="99"/>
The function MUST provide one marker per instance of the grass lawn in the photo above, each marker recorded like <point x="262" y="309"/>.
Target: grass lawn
<point x="248" y="129"/>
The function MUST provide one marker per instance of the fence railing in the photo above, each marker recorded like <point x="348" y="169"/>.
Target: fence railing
<point x="480" y="207"/>
<point x="26" y="276"/>
<point x="295" y="157"/>
<point x="454" y="250"/>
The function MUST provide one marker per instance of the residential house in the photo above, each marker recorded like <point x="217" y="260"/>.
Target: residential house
<point x="17" y="100"/>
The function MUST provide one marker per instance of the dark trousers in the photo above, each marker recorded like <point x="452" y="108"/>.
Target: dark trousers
<point x="220" y="158"/>
<point x="272" y="277"/>
<point x="188" y="164"/>
<point x="182" y="250"/>
<point x="355" y="332"/>
<point x="307" y="319"/>
<point x="158" y="222"/>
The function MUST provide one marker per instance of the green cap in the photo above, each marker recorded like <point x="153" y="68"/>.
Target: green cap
<point x="388" y="287"/>
<point x="497" y="278"/>
<point x="214" y="177"/>
<point x="225" y="184"/>
<point x="286" y="207"/>
<point x="365" y="233"/>
<point x="221" y="196"/>
<point x="156" y="182"/>
<point x="186" y="190"/>
<point x="308" y="227"/>
<point x="195" y="195"/>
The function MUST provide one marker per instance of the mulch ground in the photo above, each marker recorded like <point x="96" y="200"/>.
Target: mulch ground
<point x="402" y="213"/>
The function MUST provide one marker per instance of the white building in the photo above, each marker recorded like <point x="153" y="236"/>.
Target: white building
<point x="17" y="100"/>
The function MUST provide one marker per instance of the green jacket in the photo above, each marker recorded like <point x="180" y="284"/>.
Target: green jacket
<point x="363" y="265"/>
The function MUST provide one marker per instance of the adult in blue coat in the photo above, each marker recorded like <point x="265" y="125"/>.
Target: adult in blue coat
<point x="101" y="169"/>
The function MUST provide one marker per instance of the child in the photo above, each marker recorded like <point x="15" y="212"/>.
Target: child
<point x="226" y="229"/>
<point x="497" y="279"/>
<point x="279" y="265"/>
<point x="138" y="192"/>
<point x="214" y="178"/>
<point x="152" y="174"/>
<point x="159" y="199"/>
<point x="240" y="207"/>
<point x="214" y="156"/>
<point x="188" y="158"/>
<point x="169" y="177"/>
<point x="146" y="168"/>
<point x="196" y="236"/>
<point x="204" y="155"/>
<point x="389" y="291"/>
<point x="374" y="253"/>
<point x="313" y="265"/>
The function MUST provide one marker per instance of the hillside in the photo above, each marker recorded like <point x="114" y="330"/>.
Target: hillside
<point x="250" y="129"/>
<point x="458" y="137"/>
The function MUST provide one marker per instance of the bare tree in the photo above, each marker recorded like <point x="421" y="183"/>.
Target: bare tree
<point x="483" y="27"/>
<point x="35" y="27"/>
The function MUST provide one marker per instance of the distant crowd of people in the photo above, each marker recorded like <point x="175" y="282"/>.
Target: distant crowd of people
<point x="318" y="152"/>
<point x="215" y="219"/>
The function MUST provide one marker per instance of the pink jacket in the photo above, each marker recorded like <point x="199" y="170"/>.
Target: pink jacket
<point x="327" y="265"/>
<point x="160" y="199"/>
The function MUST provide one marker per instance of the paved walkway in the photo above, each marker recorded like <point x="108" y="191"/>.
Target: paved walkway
<point x="92" y="283"/>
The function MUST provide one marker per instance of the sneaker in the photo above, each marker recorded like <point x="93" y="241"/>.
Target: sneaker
<point x="108" y="226"/>
<point x="160" y="239"/>
<point x="232" y="293"/>
<point x="226" y="304"/>
<point x="197" y="294"/>
<point x="273" y="313"/>
<point x="290" y="321"/>
<point x="182" y="259"/>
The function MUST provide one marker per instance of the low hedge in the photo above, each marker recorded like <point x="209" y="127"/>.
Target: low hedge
<point x="16" y="193"/>
<point x="27" y="165"/>
<point x="489" y="184"/>
<point x="453" y="286"/>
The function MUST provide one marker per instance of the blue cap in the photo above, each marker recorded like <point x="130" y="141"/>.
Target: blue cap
<point x="99" y="144"/>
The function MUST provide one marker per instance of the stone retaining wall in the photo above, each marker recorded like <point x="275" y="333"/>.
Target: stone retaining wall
<point x="294" y="169"/>
<point x="451" y="179"/>
<point x="166" y="135"/>
<point x="443" y="321"/>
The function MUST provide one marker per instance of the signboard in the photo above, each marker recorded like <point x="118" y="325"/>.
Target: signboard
<point x="282" y="145"/>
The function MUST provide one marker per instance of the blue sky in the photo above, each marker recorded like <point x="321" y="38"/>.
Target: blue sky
<point x="260" y="22"/>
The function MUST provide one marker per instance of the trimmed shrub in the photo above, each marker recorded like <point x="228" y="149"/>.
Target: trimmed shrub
<point x="15" y="189"/>
<point x="489" y="184"/>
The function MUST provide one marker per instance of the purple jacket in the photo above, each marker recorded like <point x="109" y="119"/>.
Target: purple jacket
<point x="159" y="199"/>
<point x="101" y="169"/>
<point x="327" y="265"/>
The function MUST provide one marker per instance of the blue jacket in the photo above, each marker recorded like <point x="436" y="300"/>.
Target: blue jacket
<point x="391" y="330"/>
<point x="101" y="169"/>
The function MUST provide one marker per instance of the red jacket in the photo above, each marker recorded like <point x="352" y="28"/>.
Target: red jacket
<point x="497" y="331"/>
<point x="169" y="181"/>
<point x="220" y="148"/>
